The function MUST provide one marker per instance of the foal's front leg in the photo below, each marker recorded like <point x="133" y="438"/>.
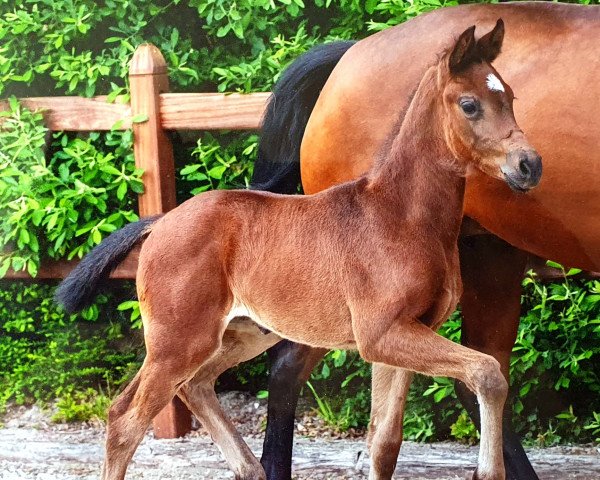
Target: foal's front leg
<point x="409" y="344"/>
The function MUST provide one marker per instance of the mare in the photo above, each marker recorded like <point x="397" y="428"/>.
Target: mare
<point x="374" y="261"/>
<point x="550" y="58"/>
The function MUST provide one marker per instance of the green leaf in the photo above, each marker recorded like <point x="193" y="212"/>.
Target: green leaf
<point x="118" y="125"/>
<point x="222" y="31"/>
<point x="440" y="395"/>
<point x="4" y="266"/>
<point x="32" y="268"/>
<point x="554" y="265"/>
<point x="24" y="236"/>
<point x="217" y="172"/>
<point x="262" y="394"/>
<point x="37" y="216"/>
<point x="127" y="305"/>
<point x="63" y="171"/>
<point x="110" y="169"/>
<point x="139" y="118"/>
<point x="370" y="6"/>
<point x="122" y="191"/>
<point x="190" y="169"/>
<point x="96" y="236"/>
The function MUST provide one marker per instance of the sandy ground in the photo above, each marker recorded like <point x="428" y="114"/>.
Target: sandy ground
<point x="33" y="448"/>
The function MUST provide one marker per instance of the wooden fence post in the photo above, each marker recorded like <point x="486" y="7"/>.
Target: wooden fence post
<point x="154" y="153"/>
<point x="151" y="146"/>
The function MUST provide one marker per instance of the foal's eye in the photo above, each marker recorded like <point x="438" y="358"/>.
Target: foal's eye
<point x="469" y="106"/>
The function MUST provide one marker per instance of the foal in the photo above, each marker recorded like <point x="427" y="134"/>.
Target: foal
<point x="370" y="264"/>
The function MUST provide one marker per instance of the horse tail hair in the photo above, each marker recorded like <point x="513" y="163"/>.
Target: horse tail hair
<point x="81" y="286"/>
<point x="277" y="167"/>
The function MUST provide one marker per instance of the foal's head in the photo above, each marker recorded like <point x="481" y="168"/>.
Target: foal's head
<point x="479" y="123"/>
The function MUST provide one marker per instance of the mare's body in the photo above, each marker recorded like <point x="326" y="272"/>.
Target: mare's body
<point x="550" y="58"/>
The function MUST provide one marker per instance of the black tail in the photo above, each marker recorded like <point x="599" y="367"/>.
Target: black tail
<point x="277" y="168"/>
<point x="79" y="289"/>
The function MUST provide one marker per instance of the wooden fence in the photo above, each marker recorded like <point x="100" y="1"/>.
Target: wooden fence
<point x="150" y="98"/>
<point x="152" y="148"/>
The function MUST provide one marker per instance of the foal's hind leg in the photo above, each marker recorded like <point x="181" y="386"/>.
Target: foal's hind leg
<point x="389" y="390"/>
<point x="204" y="404"/>
<point x="409" y="344"/>
<point x="242" y="341"/>
<point x="172" y="358"/>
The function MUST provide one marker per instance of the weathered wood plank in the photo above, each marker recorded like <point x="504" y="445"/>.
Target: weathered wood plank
<point x="212" y="111"/>
<point x="178" y="111"/>
<point x="77" y="113"/>
<point x="61" y="268"/>
<point x="151" y="147"/>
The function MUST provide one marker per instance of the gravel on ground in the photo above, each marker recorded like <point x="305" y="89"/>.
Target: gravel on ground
<point x="33" y="448"/>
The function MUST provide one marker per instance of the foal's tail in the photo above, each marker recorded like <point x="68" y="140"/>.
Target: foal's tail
<point x="277" y="168"/>
<point x="79" y="289"/>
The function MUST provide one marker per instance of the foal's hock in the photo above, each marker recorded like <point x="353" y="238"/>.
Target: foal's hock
<point x="371" y="264"/>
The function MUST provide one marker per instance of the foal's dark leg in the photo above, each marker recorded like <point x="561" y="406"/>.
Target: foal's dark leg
<point x="492" y="271"/>
<point x="291" y="364"/>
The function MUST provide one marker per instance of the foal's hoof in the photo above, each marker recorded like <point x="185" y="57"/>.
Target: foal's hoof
<point x="253" y="475"/>
<point x="477" y="476"/>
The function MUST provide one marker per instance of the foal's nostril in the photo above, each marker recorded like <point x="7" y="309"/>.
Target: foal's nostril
<point x="524" y="168"/>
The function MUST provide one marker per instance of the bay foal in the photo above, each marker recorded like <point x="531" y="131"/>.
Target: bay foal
<point x="370" y="264"/>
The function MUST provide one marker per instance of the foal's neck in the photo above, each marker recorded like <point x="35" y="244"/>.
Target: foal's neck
<point x="419" y="178"/>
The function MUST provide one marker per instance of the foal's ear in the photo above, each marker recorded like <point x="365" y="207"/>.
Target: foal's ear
<point x="491" y="43"/>
<point x="463" y="52"/>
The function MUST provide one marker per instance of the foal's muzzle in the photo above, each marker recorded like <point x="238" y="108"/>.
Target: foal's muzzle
<point x="522" y="170"/>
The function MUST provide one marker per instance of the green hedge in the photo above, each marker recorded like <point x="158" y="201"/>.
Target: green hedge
<point x="45" y="354"/>
<point x="61" y="193"/>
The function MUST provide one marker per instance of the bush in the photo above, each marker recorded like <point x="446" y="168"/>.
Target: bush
<point x="45" y="354"/>
<point x="62" y="202"/>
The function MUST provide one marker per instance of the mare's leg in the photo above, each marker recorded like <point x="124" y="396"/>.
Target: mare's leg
<point x="242" y="341"/>
<point x="492" y="271"/>
<point x="291" y="364"/>
<point x="389" y="390"/>
<point x="407" y="343"/>
<point x="172" y="358"/>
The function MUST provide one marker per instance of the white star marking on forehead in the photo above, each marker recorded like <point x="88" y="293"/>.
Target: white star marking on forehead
<point x="494" y="83"/>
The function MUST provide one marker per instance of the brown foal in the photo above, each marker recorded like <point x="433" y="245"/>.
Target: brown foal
<point x="370" y="264"/>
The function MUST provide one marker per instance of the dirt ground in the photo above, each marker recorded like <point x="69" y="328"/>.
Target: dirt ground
<point x="31" y="447"/>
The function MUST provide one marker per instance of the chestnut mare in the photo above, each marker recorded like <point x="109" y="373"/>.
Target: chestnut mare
<point x="551" y="61"/>
<point x="375" y="260"/>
